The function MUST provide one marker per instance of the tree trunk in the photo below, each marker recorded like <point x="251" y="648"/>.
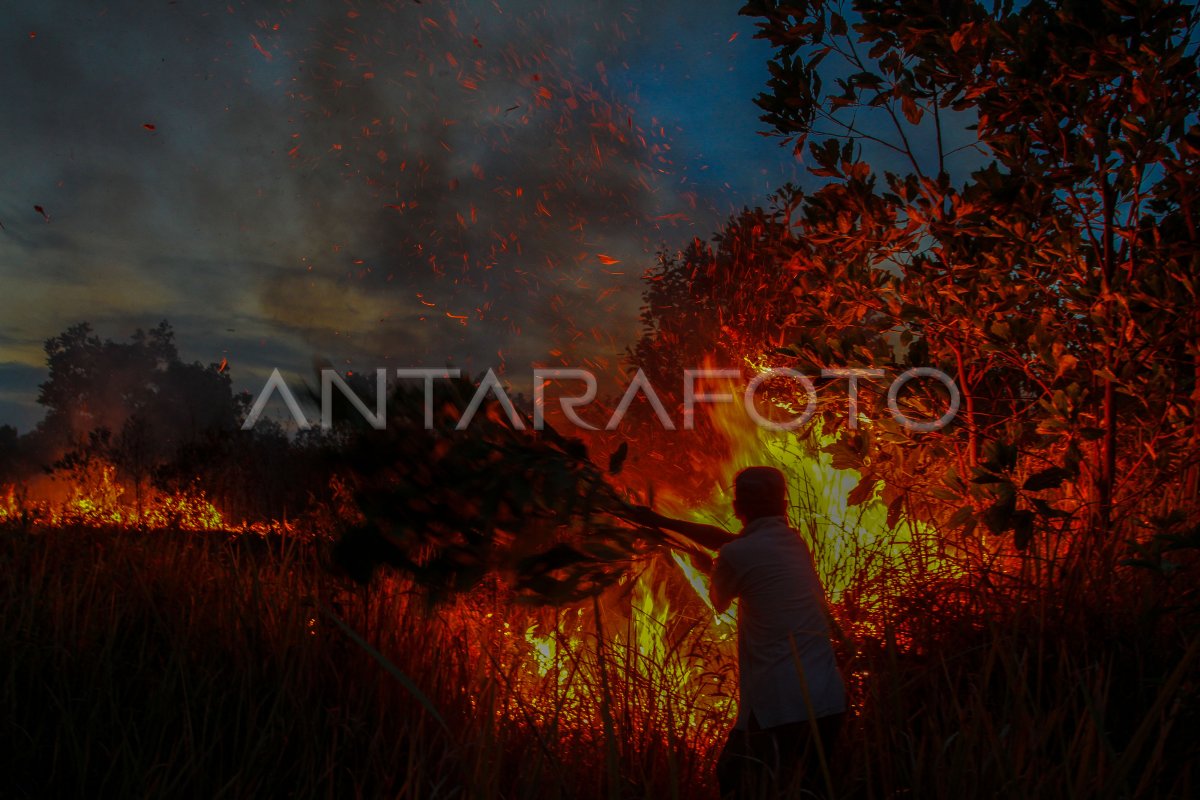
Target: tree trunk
<point x="969" y="398"/>
<point x="1108" y="459"/>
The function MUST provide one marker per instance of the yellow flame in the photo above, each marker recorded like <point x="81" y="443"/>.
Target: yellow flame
<point x="100" y="499"/>
<point x="8" y="505"/>
<point x="646" y="662"/>
<point x="854" y="547"/>
<point x="544" y="649"/>
<point x="699" y="582"/>
<point x="649" y="620"/>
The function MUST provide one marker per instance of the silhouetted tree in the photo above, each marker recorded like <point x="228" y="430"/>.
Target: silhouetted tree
<point x="149" y="404"/>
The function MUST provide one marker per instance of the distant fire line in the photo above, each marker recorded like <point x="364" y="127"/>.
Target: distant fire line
<point x="490" y="383"/>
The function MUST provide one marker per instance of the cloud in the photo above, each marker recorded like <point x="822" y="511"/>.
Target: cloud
<point x="475" y="161"/>
<point x="398" y="182"/>
<point x="18" y="395"/>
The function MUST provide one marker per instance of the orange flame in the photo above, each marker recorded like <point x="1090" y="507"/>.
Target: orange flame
<point x="860" y="557"/>
<point x="107" y="503"/>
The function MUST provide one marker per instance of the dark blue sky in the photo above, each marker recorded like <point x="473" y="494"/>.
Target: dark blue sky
<point x="379" y="184"/>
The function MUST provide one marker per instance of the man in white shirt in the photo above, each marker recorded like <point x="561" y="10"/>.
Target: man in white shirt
<point x="792" y="698"/>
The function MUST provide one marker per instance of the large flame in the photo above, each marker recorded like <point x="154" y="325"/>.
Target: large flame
<point x="864" y="560"/>
<point x="652" y="659"/>
<point x="653" y="646"/>
<point x="667" y="632"/>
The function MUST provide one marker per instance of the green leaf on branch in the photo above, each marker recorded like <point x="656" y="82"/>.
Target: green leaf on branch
<point x="862" y="492"/>
<point x="998" y="517"/>
<point x="961" y="518"/>
<point x="1000" y="456"/>
<point x="1050" y="478"/>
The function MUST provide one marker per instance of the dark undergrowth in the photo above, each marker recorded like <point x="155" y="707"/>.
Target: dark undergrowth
<point x="160" y="664"/>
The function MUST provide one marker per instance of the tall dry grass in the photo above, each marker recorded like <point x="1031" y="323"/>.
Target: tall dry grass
<point x="155" y="664"/>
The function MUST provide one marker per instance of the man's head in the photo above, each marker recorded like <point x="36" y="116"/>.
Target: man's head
<point x="759" y="492"/>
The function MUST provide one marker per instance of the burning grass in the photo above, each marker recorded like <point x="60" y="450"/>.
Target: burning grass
<point x="168" y="659"/>
<point x="161" y="663"/>
<point x="97" y="498"/>
<point x="173" y="658"/>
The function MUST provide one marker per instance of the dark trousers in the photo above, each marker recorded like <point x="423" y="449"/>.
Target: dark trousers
<point x="783" y="761"/>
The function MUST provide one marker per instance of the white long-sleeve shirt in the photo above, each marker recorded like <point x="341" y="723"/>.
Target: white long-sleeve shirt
<point x="783" y="633"/>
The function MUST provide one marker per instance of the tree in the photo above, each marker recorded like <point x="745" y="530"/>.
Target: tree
<point x="714" y="300"/>
<point x="1006" y="195"/>
<point x="146" y="401"/>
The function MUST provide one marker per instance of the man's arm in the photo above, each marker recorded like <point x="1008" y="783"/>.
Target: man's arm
<point x="722" y="586"/>
<point x="709" y="536"/>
